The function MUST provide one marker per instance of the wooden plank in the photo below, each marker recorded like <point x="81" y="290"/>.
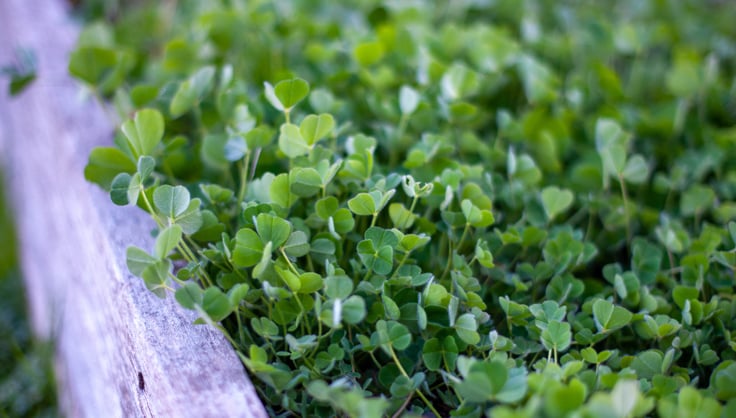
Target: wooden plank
<point x="121" y="351"/>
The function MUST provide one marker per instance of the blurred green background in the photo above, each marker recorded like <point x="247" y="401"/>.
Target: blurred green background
<point x="27" y="387"/>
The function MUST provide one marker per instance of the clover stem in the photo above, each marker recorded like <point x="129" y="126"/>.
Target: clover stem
<point x="184" y="248"/>
<point x="243" y="179"/>
<point x="286" y="115"/>
<point x="226" y="334"/>
<point x="413" y="204"/>
<point x="394" y="158"/>
<point x="288" y="262"/>
<point x="401" y="263"/>
<point x="449" y="261"/>
<point x="240" y="326"/>
<point x="417" y="391"/>
<point x="367" y="274"/>
<point x="373" y="221"/>
<point x="176" y="279"/>
<point x="198" y="120"/>
<point x="625" y="197"/>
<point x="150" y="208"/>
<point x="462" y="237"/>
<point x="402" y="407"/>
<point x="375" y="361"/>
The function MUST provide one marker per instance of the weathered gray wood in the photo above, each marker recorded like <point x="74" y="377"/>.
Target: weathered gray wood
<point x="108" y="328"/>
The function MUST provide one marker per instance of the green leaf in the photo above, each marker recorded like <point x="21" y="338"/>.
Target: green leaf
<point x="411" y="242"/>
<point x="138" y="260"/>
<point x="363" y="204"/>
<point x="189" y="295"/>
<point x="483" y="380"/>
<point x="466" y="327"/>
<point x="353" y="310"/>
<point x="408" y="100"/>
<point x="368" y="53"/>
<point x="310" y="282"/>
<point x="167" y="241"/>
<point x="92" y="63"/>
<point x="696" y="200"/>
<point x="725" y="382"/>
<point x="390" y="308"/>
<point x="146" y="165"/>
<point x="264" y="263"/>
<point x="609" y="317"/>
<point x="291" y="141"/>
<point x="144" y="132"/>
<point x="479" y="218"/>
<point x="647" y="364"/>
<point x="401" y="217"/>
<point x="636" y="170"/>
<point x="459" y="82"/>
<point x="156" y="277"/>
<point x="380" y="259"/>
<point x="237" y="294"/>
<point x="338" y="287"/>
<point x="556" y="201"/>
<point x="540" y="83"/>
<point x="119" y="189"/>
<point x="171" y="201"/>
<point x="557" y="336"/>
<point x="398" y="335"/>
<point x="248" y="248"/>
<point x="562" y="400"/>
<point x="437" y="352"/>
<point x="326" y="207"/>
<point x="292" y="280"/>
<point x="381" y="237"/>
<point x="305" y="181"/>
<point x="143" y="94"/>
<point x="105" y="163"/>
<point x="272" y="229"/>
<point x="432" y="354"/>
<point x="483" y="255"/>
<point x="191" y="219"/>
<point x="191" y="91"/>
<point x="287" y="93"/>
<point x="259" y="137"/>
<point x="297" y="245"/>
<point x="313" y="128"/>
<point x="216" y="304"/>
<point x="610" y="142"/>
<point x="280" y="191"/>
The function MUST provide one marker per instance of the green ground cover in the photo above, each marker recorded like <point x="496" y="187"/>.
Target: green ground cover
<point x="511" y="208"/>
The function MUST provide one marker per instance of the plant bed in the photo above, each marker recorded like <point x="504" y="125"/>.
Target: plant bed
<point x="480" y="208"/>
<point x="119" y="351"/>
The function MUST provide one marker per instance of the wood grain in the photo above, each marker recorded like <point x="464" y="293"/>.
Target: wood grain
<point x="121" y="351"/>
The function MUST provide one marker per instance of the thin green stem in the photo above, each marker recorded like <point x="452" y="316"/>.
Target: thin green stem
<point x="240" y="326"/>
<point x="462" y="237"/>
<point x="401" y="263"/>
<point x="413" y="203"/>
<point x="449" y="261"/>
<point x="417" y="391"/>
<point x="625" y="197"/>
<point x="156" y="219"/>
<point x="243" y="180"/>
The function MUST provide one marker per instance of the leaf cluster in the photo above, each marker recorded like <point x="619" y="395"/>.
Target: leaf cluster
<point x="485" y="209"/>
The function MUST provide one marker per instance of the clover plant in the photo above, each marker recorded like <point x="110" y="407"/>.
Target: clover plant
<point x="472" y="208"/>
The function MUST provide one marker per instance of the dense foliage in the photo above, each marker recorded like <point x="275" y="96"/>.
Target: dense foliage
<point x="27" y="387"/>
<point x="452" y="208"/>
